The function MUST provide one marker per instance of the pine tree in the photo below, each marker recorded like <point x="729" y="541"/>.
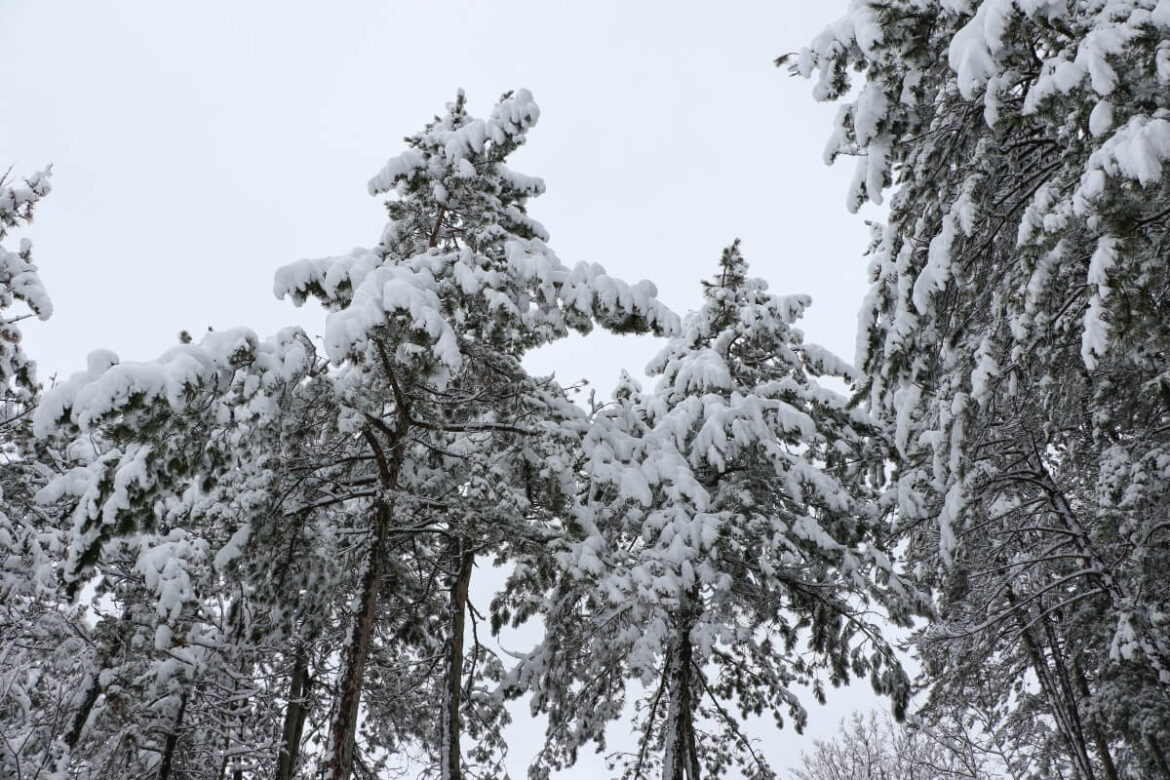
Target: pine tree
<point x="1015" y="339"/>
<point x="42" y="643"/>
<point x="430" y="328"/>
<point x="163" y="488"/>
<point x="725" y="548"/>
<point x="335" y="512"/>
<point x="19" y="282"/>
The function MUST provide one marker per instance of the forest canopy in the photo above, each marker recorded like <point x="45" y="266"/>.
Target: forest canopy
<point x="269" y="555"/>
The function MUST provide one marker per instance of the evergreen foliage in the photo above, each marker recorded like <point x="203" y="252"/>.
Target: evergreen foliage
<point x="259" y="529"/>
<point x="43" y="646"/>
<point x="258" y="556"/>
<point x="726" y="548"/>
<point x="1015" y="341"/>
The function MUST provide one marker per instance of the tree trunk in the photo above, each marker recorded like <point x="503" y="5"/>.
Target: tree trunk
<point x="1159" y="756"/>
<point x="450" y="758"/>
<point x="1067" y="722"/>
<point x="353" y="667"/>
<point x="1099" y="740"/>
<point x="227" y="738"/>
<point x="1153" y="644"/>
<point x="168" y="757"/>
<point x="357" y="650"/>
<point x="1071" y="698"/>
<point x="294" y="717"/>
<point x="680" y="759"/>
<point x="93" y="689"/>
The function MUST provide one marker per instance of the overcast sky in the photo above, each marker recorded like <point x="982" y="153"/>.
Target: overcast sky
<point x="197" y="146"/>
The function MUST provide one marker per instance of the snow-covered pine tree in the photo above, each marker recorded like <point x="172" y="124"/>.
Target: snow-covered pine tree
<point x="163" y="486"/>
<point x="43" y="649"/>
<point x="473" y="454"/>
<point x="428" y="447"/>
<point x="725" y="549"/>
<point x="19" y="283"/>
<point x="1016" y="338"/>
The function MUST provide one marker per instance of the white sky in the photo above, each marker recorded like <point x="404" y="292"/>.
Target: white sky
<point x="197" y="146"/>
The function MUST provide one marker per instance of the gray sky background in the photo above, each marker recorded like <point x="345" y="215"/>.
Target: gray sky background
<point x="197" y="146"/>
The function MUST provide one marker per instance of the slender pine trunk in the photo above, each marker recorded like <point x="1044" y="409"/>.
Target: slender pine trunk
<point x="450" y="764"/>
<point x="680" y="759"/>
<point x="1064" y="681"/>
<point x="357" y="650"/>
<point x="92" y="690"/>
<point x="344" y="729"/>
<point x="172" y="743"/>
<point x="1159" y="756"/>
<point x="1099" y="740"/>
<point x="1153" y="643"/>
<point x="294" y="717"/>
<point x="1067" y="723"/>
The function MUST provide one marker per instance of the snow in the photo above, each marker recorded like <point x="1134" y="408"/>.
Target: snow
<point x="514" y="115"/>
<point x="1095" y="336"/>
<point x="398" y="167"/>
<point x="1162" y="63"/>
<point x="973" y="48"/>
<point x="1094" y="51"/>
<point x="704" y="372"/>
<point x="19" y="275"/>
<point x="1101" y="118"/>
<point x="89" y="396"/>
<point x="937" y="272"/>
<point x="951" y="513"/>
<point x="388" y="293"/>
<point x="985" y="369"/>
<point x="163" y="564"/>
<point x="1160" y="15"/>
<point x="906" y="402"/>
<point x="234" y="547"/>
<point x="329" y="275"/>
<point x="15" y="200"/>
<point x="1032" y="222"/>
<point x="860" y="25"/>
<point x="868" y="112"/>
<point x="1125" y="639"/>
<point x="1135" y="151"/>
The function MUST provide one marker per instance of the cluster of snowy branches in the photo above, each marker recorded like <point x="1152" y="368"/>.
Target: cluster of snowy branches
<point x="255" y="557"/>
<point x="876" y="748"/>
<point x="1015" y="342"/>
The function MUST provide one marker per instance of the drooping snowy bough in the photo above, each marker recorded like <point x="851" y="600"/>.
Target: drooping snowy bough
<point x="1017" y="339"/>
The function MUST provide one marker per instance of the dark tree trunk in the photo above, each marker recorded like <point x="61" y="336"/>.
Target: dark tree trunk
<point x="450" y="760"/>
<point x="1067" y="722"/>
<point x="1099" y="740"/>
<point x="1064" y="681"/>
<point x="357" y="650"/>
<point x="294" y="717"/>
<point x="349" y="694"/>
<point x="681" y="758"/>
<point x="93" y="689"/>
<point x="168" y="757"/>
<point x="1159" y="756"/>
